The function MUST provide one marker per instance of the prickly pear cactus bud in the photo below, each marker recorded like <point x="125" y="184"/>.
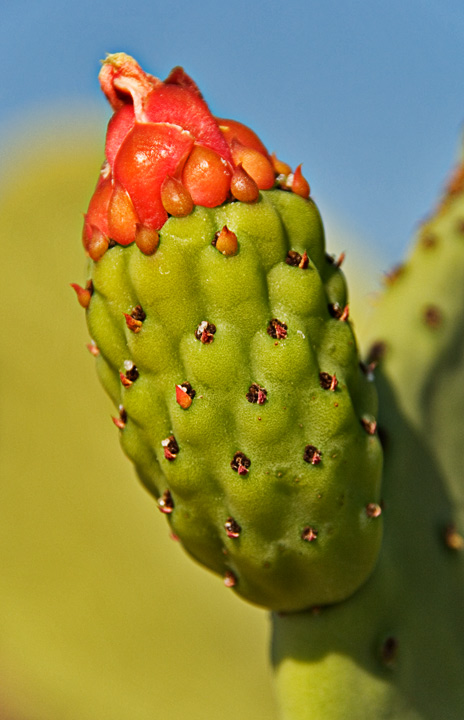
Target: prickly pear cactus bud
<point x="221" y="331"/>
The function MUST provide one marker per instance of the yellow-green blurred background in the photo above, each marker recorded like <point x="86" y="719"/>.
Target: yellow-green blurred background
<point x="102" y="616"/>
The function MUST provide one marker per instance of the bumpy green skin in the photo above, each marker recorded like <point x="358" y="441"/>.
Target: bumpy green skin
<point x="188" y="281"/>
<point x="396" y="648"/>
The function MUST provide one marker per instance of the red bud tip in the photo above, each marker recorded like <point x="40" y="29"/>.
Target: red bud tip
<point x="123" y="81"/>
<point x="309" y="534"/>
<point x="255" y="164"/>
<point x="243" y="187"/>
<point x="125" y="380"/>
<point x="97" y="245"/>
<point x="226" y="241"/>
<point x="132" y="323"/>
<point x="182" y="397"/>
<point x="146" y="239"/>
<point x="93" y="350"/>
<point x="300" y="185"/>
<point x="119" y="423"/>
<point x="333" y="383"/>
<point x="83" y="295"/>
<point x="175" y="197"/>
<point x="280" y="168"/>
<point x="122" y="218"/>
<point x="206" y="175"/>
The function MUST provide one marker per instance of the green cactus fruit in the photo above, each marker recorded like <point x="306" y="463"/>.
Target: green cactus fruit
<point x="221" y="332"/>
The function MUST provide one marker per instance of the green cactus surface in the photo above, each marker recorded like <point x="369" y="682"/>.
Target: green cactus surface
<point x="397" y="646"/>
<point x="241" y="399"/>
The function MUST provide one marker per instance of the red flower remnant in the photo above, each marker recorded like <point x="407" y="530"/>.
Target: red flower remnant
<point x="159" y="132"/>
<point x="166" y="503"/>
<point x="226" y="241"/>
<point x="300" y="185"/>
<point x="84" y="295"/>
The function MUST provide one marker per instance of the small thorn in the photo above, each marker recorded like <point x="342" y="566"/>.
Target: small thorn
<point x="98" y="244"/>
<point x="184" y="395"/>
<point x="256" y="394"/>
<point x="240" y="463"/>
<point x="243" y="187"/>
<point x="125" y="380"/>
<point x="389" y="651"/>
<point x="170" y="448"/>
<point x="229" y="579"/>
<point x="303" y="264"/>
<point x="132" y="324"/>
<point x="338" y="263"/>
<point x="280" y="167"/>
<point x="166" y="503"/>
<point x="232" y="528"/>
<point x="131" y="373"/>
<point x="205" y="332"/>
<point x="328" y="381"/>
<point x="312" y="455"/>
<point x="118" y="422"/>
<point x="453" y="539"/>
<point x="373" y="510"/>
<point x="146" y="239"/>
<point x="84" y="295"/>
<point x="93" y="349"/>
<point x="369" y="424"/>
<point x="226" y="241"/>
<point x="277" y="329"/>
<point x="300" y="185"/>
<point x="309" y="534"/>
<point x="345" y="314"/>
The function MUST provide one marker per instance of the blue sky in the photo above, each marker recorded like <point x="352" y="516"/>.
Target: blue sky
<point x="367" y="94"/>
